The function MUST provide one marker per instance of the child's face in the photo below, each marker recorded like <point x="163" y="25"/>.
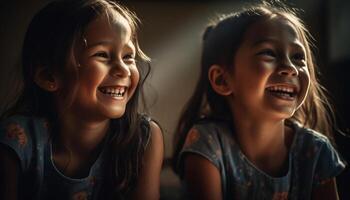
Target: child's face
<point x="270" y="76"/>
<point x="107" y="76"/>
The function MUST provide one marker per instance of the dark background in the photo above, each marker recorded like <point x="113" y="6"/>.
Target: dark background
<point x="171" y="34"/>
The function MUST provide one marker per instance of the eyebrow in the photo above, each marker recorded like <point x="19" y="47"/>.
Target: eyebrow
<point x="108" y="43"/>
<point x="103" y="42"/>
<point x="264" y="40"/>
<point x="272" y="40"/>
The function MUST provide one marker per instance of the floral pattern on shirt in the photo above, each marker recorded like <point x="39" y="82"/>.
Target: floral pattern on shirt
<point x="192" y="137"/>
<point x="280" y="196"/>
<point x="82" y="195"/>
<point x="15" y="131"/>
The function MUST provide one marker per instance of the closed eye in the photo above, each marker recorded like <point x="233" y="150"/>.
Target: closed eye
<point x="299" y="56"/>
<point x="267" y="53"/>
<point x="102" y="54"/>
<point x="299" y="59"/>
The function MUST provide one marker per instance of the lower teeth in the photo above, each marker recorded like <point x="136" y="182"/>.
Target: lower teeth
<point x="282" y="94"/>
<point x="113" y="94"/>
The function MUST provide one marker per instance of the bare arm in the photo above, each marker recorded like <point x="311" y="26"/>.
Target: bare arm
<point x="327" y="190"/>
<point x="9" y="173"/>
<point x="202" y="178"/>
<point x="149" y="180"/>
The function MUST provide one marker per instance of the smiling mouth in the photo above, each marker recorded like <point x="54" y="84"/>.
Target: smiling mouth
<point x="115" y="91"/>
<point x="285" y="92"/>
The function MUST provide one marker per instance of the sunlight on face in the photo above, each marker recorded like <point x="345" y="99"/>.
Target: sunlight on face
<point x="270" y="77"/>
<point x="107" y="76"/>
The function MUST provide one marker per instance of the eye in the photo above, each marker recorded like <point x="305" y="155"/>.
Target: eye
<point x="269" y="53"/>
<point x="130" y="58"/>
<point x="102" y="54"/>
<point x="299" y="57"/>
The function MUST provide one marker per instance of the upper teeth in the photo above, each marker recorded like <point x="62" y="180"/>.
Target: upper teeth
<point x="110" y="90"/>
<point x="281" y="88"/>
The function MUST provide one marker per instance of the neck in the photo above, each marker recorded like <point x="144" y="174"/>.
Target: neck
<point x="264" y="142"/>
<point x="259" y="137"/>
<point x="82" y="136"/>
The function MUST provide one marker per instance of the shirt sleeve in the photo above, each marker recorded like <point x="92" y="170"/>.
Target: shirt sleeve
<point x="329" y="164"/>
<point x="14" y="134"/>
<point x="201" y="141"/>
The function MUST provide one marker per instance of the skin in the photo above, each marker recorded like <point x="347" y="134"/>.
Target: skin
<point x="107" y="59"/>
<point x="149" y="180"/>
<point x="10" y="172"/>
<point x="270" y="55"/>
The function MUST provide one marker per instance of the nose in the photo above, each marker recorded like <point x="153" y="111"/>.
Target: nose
<point x="120" y="69"/>
<point x="287" y="68"/>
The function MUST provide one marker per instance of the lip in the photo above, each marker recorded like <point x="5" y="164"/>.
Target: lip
<point x="284" y="91"/>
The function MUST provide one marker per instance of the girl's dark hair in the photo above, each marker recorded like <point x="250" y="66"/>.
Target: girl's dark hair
<point x="50" y="40"/>
<point x="221" y="40"/>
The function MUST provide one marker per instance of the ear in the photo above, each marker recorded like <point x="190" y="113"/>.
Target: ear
<point x="218" y="79"/>
<point x="46" y="80"/>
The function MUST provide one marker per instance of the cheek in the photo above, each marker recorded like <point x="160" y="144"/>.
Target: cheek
<point x="135" y="77"/>
<point x="259" y="76"/>
<point x="265" y="67"/>
<point x="92" y="75"/>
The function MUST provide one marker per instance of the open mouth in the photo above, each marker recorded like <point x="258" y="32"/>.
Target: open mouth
<point x="283" y="91"/>
<point x="115" y="91"/>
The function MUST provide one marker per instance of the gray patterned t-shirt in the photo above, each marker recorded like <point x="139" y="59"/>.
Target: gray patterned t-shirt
<point x="29" y="137"/>
<point x="312" y="159"/>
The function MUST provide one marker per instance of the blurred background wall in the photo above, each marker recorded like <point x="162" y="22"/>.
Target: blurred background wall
<point x="171" y="34"/>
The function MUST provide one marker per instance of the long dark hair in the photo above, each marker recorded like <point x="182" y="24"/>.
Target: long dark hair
<point x="221" y="40"/>
<point x="49" y="42"/>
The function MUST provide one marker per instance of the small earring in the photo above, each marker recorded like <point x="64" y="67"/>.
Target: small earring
<point x="85" y="42"/>
<point x="78" y="65"/>
<point x="51" y="86"/>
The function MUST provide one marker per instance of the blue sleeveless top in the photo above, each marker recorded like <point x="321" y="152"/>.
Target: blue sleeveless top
<point x="29" y="137"/>
<point x="312" y="160"/>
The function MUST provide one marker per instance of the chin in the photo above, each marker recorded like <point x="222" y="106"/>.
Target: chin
<point x="114" y="113"/>
<point x="117" y="115"/>
<point x="285" y="114"/>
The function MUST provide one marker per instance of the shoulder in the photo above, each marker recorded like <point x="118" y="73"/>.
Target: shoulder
<point x="15" y="122"/>
<point x="149" y="179"/>
<point x="200" y="160"/>
<point x="212" y="131"/>
<point x="17" y="133"/>
<point x="207" y="139"/>
<point x="154" y="148"/>
<point x="155" y="136"/>
<point x="310" y="143"/>
<point x="151" y="129"/>
<point x="156" y="133"/>
<point x="22" y="122"/>
<point x="307" y="136"/>
<point x="315" y="150"/>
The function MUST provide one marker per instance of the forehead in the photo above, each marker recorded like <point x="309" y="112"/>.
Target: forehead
<point x="275" y="29"/>
<point x="114" y="26"/>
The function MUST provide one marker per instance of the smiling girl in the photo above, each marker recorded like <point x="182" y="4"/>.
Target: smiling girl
<point x="252" y="128"/>
<point x="75" y="132"/>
